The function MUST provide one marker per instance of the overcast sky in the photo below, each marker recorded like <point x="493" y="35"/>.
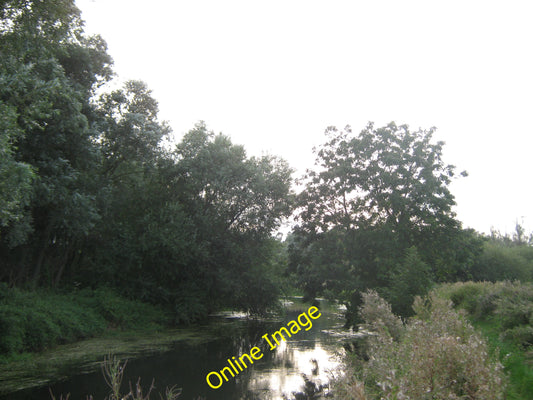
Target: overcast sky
<point x="274" y="74"/>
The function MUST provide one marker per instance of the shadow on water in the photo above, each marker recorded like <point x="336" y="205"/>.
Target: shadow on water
<point x="296" y="369"/>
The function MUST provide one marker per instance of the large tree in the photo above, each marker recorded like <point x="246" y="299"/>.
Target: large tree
<point x="48" y="73"/>
<point x="378" y="194"/>
<point x="384" y="176"/>
<point x="236" y="203"/>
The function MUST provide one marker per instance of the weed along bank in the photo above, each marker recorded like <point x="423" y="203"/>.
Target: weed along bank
<point x="235" y="365"/>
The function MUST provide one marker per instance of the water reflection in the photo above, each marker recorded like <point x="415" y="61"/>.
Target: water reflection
<point x="280" y="372"/>
<point x="307" y="358"/>
<point x="291" y="362"/>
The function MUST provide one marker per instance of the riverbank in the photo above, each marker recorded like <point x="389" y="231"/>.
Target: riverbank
<point x="503" y="313"/>
<point x="45" y="334"/>
<point x="182" y="357"/>
<point x="36" y="321"/>
<point x="39" y="369"/>
<point x="465" y="337"/>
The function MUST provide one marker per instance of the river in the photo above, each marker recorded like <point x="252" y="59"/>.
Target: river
<point x="314" y="353"/>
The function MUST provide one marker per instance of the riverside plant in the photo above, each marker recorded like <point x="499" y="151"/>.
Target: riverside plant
<point x="113" y="372"/>
<point x="434" y="355"/>
<point x="507" y="305"/>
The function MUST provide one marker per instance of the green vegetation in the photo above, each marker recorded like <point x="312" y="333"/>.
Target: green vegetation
<point x="504" y="259"/>
<point x="105" y="224"/>
<point x="35" y="321"/>
<point x="437" y="354"/>
<point x="378" y="214"/>
<point x="466" y="339"/>
<point x="503" y="312"/>
<point x="92" y="196"/>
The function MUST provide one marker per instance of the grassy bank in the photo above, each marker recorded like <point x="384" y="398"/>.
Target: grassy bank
<point x="34" y="321"/>
<point x="503" y="313"/>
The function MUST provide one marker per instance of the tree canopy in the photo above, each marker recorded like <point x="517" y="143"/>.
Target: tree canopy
<point x="384" y="176"/>
<point x="371" y="197"/>
<point x="89" y="196"/>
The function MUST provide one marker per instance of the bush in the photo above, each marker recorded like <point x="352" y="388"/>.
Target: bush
<point x="11" y="332"/>
<point x="521" y="335"/>
<point x="378" y="317"/>
<point x="503" y="312"/>
<point x="507" y="304"/>
<point x="514" y="304"/>
<point x="499" y="262"/>
<point x="438" y="355"/>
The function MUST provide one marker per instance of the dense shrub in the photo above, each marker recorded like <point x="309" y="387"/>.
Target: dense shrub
<point x="503" y="312"/>
<point x="508" y="305"/>
<point x="378" y="317"/>
<point x="474" y="297"/>
<point x="500" y="262"/>
<point x="438" y="355"/>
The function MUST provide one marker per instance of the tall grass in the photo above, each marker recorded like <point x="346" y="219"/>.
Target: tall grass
<point x="113" y="373"/>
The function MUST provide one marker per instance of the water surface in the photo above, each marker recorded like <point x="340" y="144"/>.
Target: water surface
<point x="313" y="353"/>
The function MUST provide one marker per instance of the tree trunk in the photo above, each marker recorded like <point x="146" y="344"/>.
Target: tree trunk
<point x="40" y="258"/>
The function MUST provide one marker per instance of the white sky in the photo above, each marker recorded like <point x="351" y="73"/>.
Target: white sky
<point x="274" y="74"/>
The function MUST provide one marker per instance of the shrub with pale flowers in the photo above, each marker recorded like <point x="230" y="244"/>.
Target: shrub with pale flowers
<point x="435" y="355"/>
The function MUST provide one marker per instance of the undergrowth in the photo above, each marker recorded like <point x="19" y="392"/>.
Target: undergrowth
<point x="503" y="313"/>
<point x="436" y="354"/>
<point x="33" y="321"/>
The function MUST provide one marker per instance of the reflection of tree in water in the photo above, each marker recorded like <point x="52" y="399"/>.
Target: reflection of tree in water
<point x="294" y="368"/>
<point x="311" y="390"/>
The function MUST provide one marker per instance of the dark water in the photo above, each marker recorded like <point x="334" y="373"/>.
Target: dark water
<point x="280" y="371"/>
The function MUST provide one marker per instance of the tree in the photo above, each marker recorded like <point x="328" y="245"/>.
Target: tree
<point x="89" y="196"/>
<point x="15" y="182"/>
<point x="129" y="132"/>
<point x="46" y="95"/>
<point x="235" y="203"/>
<point x="383" y="191"/>
<point x="234" y="193"/>
<point x="386" y="176"/>
<point x="412" y="278"/>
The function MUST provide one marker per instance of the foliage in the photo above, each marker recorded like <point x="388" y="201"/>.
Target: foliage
<point x="90" y="195"/>
<point x="503" y="312"/>
<point x="509" y="305"/>
<point x="372" y="198"/>
<point x="387" y="175"/>
<point x="47" y="91"/>
<point x="438" y="355"/>
<point x="34" y="321"/>
<point x="378" y="317"/>
<point x="411" y="278"/>
<point x="500" y="261"/>
<point x="15" y="179"/>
